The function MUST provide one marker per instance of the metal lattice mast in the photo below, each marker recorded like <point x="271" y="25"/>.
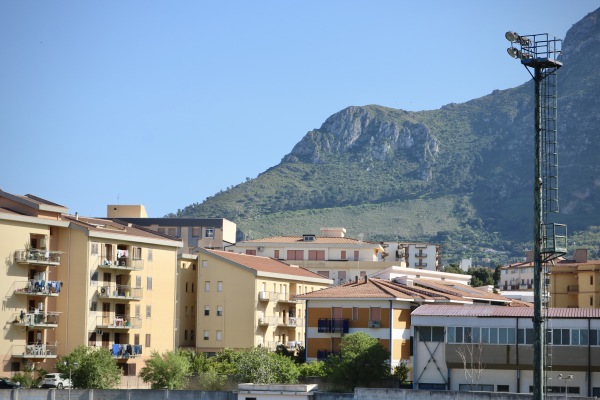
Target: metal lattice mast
<point x="540" y="54"/>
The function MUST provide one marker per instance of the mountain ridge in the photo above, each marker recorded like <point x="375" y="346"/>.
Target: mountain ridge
<point x="471" y="162"/>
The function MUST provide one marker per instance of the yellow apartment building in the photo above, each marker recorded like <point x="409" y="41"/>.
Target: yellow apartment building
<point x="212" y="233"/>
<point x="246" y="301"/>
<point x="72" y="281"/>
<point x="575" y="283"/>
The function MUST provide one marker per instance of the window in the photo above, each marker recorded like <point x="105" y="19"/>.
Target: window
<point x="209" y="233"/>
<point x="193" y="267"/>
<point x="172" y="231"/>
<point x="375" y="314"/>
<point x="591" y="279"/>
<point x="219" y="311"/>
<point x="204" y="263"/>
<point x="192" y="335"/>
<point x="207" y="286"/>
<point x="318" y="255"/>
<point x="219" y="335"/>
<point x="162" y="230"/>
<point x="356" y="253"/>
<point x="250" y="252"/>
<point x="195" y="231"/>
<point x="185" y="335"/>
<point x="276" y="255"/>
<point x="147" y="340"/>
<point x="94" y="249"/>
<point x="149" y="283"/>
<point x="138" y="281"/>
<point x="324" y="274"/>
<point x="343" y="255"/>
<point x="186" y="286"/>
<point x="219" y="286"/>
<point x="561" y="337"/>
<point x="193" y="287"/>
<point x="148" y="311"/>
<point x="186" y="311"/>
<point x="137" y="253"/>
<point x="93" y="306"/>
<point x="206" y="335"/>
<point x="354" y="313"/>
<point x="149" y="254"/>
<point x="136" y="339"/>
<point x="525" y="336"/>
<point x="431" y="333"/>
<point x="295" y="254"/>
<point x="206" y="310"/>
<point x="138" y="310"/>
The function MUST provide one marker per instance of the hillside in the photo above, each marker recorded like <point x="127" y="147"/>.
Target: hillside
<point x="460" y="176"/>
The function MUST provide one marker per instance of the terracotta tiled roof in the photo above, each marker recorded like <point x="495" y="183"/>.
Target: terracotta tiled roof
<point x="421" y="289"/>
<point x="499" y="311"/>
<point x="300" y="240"/>
<point x="265" y="264"/>
<point x="111" y="226"/>
<point x="458" y="289"/>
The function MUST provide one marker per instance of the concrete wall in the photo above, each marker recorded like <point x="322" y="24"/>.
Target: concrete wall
<point x="359" y="393"/>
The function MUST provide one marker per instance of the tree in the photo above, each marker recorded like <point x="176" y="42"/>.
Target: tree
<point x="211" y="380"/>
<point x="454" y="269"/>
<point x="30" y="377"/>
<point x="90" y="368"/>
<point x="258" y="365"/>
<point x="315" y="368"/>
<point x="170" y="370"/>
<point x="471" y="356"/>
<point x="481" y="276"/>
<point x="496" y="277"/>
<point x="362" y="359"/>
<point x="401" y="372"/>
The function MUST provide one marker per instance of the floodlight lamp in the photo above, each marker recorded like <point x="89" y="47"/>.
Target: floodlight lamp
<point x="514" y="53"/>
<point x="571" y="376"/>
<point x="512" y="36"/>
<point x="559" y="376"/>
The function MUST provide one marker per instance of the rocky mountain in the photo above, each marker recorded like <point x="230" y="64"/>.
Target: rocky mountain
<point x="461" y="175"/>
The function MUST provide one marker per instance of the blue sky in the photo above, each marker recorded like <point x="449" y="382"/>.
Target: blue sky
<point x="166" y="103"/>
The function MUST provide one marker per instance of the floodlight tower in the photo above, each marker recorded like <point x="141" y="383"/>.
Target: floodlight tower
<point x="539" y="53"/>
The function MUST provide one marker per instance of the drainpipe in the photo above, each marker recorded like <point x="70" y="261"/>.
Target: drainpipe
<point x="415" y="376"/>
<point x="391" y="333"/>
<point x="306" y="331"/>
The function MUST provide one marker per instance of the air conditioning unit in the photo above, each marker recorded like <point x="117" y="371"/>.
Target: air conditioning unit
<point x="99" y="332"/>
<point x="374" y="324"/>
<point x="260" y="248"/>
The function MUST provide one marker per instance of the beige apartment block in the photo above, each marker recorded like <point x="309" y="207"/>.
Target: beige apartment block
<point x="246" y="301"/>
<point x="71" y="281"/>
<point x="212" y="233"/>
<point x="575" y="283"/>
<point x="330" y="254"/>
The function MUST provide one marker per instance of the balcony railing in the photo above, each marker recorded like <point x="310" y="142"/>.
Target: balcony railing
<point x="420" y="264"/>
<point x="34" y="351"/>
<point x="573" y="289"/>
<point x="334" y="325"/>
<point x="421" y="255"/>
<point x="287" y="298"/>
<point x="38" y="288"/>
<point x="38" y="320"/>
<point x="267" y="321"/>
<point x="38" y="256"/>
<point x="118" y="322"/>
<point x="122" y="292"/>
<point x="122" y="264"/>
<point x="290" y="322"/>
<point x="268" y="296"/>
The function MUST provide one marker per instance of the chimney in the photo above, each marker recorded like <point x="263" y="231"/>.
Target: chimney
<point x="366" y="279"/>
<point x="580" y="256"/>
<point x="355" y="278"/>
<point x="529" y="256"/>
<point x="76" y="216"/>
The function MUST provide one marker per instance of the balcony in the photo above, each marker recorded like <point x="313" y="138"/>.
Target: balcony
<point x="38" y="288"/>
<point x="573" y="289"/>
<point x="421" y="255"/>
<point x="120" y="292"/>
<point x="122" y="264"/>
<point x="268" y="296"/>
<point x="291" y="322"/>
<point x="124" y="351"/>
<point x="37" y="257"/>
<point x="38" y="320"/>
<point x="34" y="351"/>
<point x="334" y="325"/>
<point x="323" y="354"/>
<point x="267" y="321"/>
<point x="287" y="298"/>
<point x="420" y="264"/>
<point x="118" y="322"/>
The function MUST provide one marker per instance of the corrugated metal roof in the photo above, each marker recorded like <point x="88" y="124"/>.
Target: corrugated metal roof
<point x="300" y="240"/>
<point x="500" y="311"/>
